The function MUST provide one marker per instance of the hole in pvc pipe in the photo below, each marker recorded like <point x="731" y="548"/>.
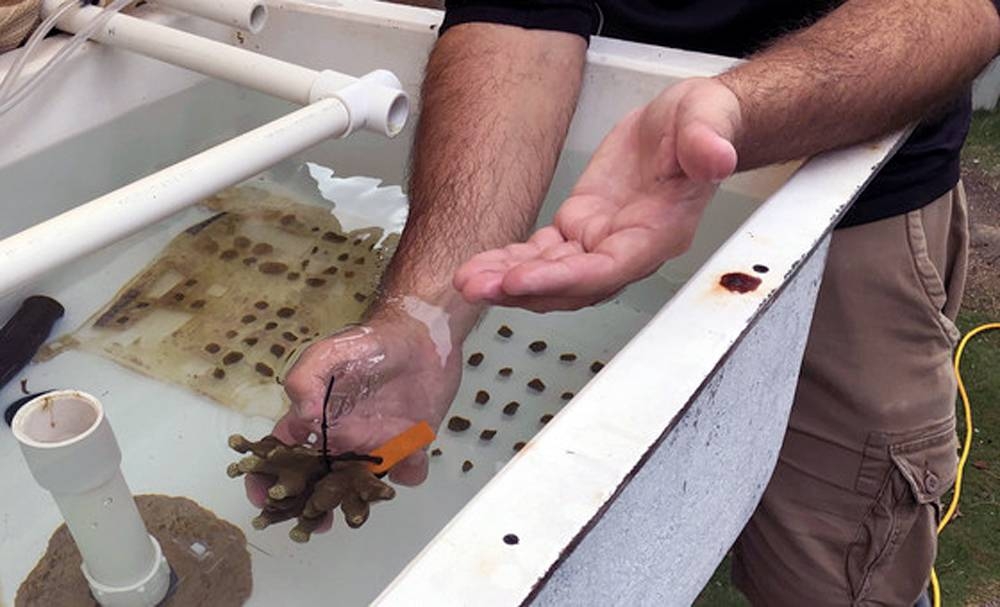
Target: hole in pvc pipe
<point x="55" y="417"/>
<point x="258" y="17"/>
<point x="398" y="112"/>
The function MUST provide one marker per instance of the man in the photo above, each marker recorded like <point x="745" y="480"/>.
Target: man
<point x="849" y="516"/>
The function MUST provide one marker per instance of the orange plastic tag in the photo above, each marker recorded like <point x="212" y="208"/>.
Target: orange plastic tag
<point x="402" y="446"/>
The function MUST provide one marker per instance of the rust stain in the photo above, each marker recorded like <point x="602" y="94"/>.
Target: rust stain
<point x="738" y="282"/>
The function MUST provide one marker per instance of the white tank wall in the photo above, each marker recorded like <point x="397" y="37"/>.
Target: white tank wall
<point x="986" y="88"/>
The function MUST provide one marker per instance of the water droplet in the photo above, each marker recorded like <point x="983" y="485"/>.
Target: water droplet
<point x="108" y="501"/>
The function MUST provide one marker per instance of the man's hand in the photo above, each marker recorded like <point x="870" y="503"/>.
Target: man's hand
<point x="397" y="369"/>
<point x="636" y="205"/>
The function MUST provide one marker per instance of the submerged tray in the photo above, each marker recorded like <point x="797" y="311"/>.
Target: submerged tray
<point x="229" y="302"/>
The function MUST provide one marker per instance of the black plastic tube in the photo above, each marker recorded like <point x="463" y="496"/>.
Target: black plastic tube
<point x="25" y="332"/>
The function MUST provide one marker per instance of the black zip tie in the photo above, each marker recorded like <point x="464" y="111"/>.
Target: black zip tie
<point x="349" y="456"/>
<point x="324" y="426"/>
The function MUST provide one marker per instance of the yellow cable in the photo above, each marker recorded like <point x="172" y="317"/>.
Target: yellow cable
<point x="966" y="445"/>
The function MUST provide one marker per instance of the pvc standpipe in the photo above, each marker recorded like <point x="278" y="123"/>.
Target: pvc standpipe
<point x="102" y="221"/>
<point x="374" y="102"/>
<point x="72" y="452"/>
<point x="247" y="15"/>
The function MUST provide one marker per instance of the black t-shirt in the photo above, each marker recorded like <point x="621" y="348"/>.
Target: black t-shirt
<point x="925" y="167"/>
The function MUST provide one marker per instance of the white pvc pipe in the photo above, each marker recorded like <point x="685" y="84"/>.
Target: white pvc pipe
<point x="114" y="216"/>
<point x="248" y="15"/>
<point x="374" y="101"/>
<point x="273" y="76"/>
<point x="72" y="452"/>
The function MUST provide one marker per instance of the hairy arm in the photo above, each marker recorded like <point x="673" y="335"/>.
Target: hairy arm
<point x="497" y="102"/>
<point x="865" y="69"/>
<point x="496" y="105"/>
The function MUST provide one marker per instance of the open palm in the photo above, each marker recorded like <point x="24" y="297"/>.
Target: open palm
<point x="636" y="205"/>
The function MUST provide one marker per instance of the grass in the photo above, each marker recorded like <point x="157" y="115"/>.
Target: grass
<point x="719" y="592"/>
<point x="982" y="148"/>
<point x="969" y="559"/>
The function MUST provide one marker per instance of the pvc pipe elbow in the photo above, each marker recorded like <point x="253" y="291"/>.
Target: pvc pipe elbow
<point x="374" y="102"/>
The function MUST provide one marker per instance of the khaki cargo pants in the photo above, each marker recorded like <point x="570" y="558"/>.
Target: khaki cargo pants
<point x="849" y="516"/>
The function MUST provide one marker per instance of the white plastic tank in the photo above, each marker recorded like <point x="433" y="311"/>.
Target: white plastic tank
<point x="632" y="492"/>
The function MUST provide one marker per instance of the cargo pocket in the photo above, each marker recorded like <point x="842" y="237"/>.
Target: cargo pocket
<point x="931" y="284"/>
<point x="929" y="463"/>
<point x="919" y="468"/>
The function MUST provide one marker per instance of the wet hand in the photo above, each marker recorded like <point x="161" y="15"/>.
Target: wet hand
<point x="636" y="205"/>
<point x="390" y="373"/>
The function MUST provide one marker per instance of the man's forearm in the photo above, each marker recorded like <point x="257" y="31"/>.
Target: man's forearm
<point x="497" y="102"/>
<point x="867" y="68"/>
